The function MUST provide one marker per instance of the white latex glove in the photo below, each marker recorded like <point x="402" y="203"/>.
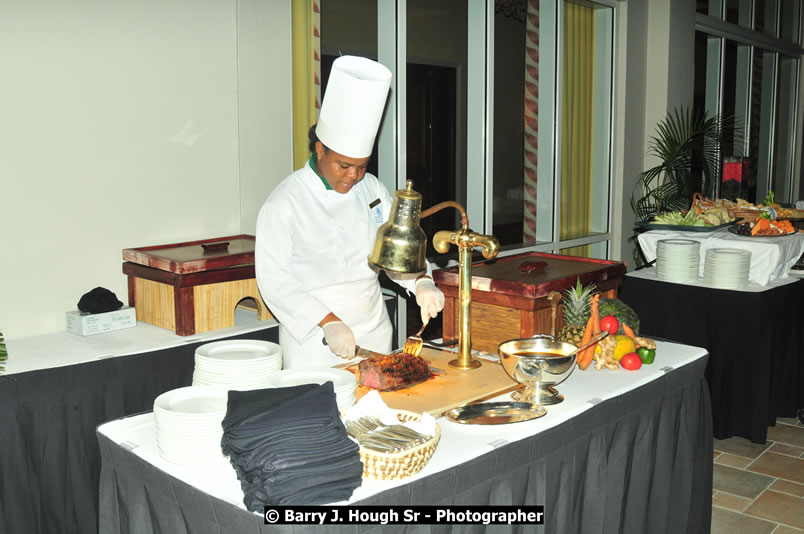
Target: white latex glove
<point x="340" y="339"/>
<point x="429" y="298"/>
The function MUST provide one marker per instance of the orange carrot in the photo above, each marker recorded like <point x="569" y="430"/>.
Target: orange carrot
<point x="628" y="331"/>
<point x="587" y="355"/>
<point x="595" y="316"/>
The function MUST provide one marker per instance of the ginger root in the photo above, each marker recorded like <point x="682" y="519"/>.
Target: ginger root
<point x="645" y="342"/>
<point x="606" y="356"/>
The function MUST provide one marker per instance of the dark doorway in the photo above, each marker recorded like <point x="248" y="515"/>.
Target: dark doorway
<point x="431" y="139"/>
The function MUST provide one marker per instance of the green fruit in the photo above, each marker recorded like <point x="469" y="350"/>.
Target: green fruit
<point x="647" y="355"/>
<point x="622" y="311"/>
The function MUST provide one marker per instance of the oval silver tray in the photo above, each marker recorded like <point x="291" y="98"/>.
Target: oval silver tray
<point x="647" y="225"/>
<point x="734" y="230"/>
<point x="496" y="413"/>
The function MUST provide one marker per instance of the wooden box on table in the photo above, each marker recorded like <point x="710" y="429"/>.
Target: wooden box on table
<point x="508" y="303"/>
<point x="194" y="286"/>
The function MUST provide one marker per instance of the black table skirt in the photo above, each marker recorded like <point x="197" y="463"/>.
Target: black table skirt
<point x="49" y="458"/>
<point x="755" y="343"/>
<point x="638" y="463"/>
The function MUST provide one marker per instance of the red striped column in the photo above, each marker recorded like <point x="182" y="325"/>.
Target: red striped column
<point x="531" y="119"/>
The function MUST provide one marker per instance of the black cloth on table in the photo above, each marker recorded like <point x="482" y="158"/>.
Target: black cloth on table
<point x="289" y="446"/>
<point x="50" y="461"/>
<point x="755" y="341"/>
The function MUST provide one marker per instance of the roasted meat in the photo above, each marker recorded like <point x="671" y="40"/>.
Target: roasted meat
<point x="393" y="371"/>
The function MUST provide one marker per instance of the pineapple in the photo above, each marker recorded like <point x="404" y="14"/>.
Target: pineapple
<point x="576" y="312"/>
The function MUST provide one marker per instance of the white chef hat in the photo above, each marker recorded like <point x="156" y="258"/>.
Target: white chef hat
<point x="353" y="105"/>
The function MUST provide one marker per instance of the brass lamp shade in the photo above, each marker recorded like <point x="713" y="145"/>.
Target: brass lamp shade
<point x="401" y="244"/>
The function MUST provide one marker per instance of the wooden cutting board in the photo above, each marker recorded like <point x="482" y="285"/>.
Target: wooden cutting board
<point x="441" y="393"/>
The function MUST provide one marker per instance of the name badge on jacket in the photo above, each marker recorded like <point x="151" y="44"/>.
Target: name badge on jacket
<point x="376" y="208"/>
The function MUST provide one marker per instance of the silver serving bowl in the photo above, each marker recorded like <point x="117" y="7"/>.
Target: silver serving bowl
<point x="539" y="363"/>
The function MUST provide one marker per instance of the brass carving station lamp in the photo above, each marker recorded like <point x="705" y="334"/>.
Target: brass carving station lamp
<point x="400" y="248"/>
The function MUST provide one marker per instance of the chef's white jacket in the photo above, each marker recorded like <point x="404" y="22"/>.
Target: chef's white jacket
<point x="311" y="259"/>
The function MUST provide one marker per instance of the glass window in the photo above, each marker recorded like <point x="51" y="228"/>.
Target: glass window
<point x="465" y="137"/>
<point x="709" y="7"/>
<point x="436" y="108"/>
<point x="525" y="208"/>
<point x="585" y="110"/>
<point x="765" y="16"/>
<point x="784" y="131"/>
<point x="516" y="114"/>
<point x="790" y="20"/>
<point x="759" y="126"/>
<point x="759" y="88"/>
<point x="733" y="11"/>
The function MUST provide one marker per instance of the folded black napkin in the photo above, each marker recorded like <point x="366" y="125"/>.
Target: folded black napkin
<point x="242" y="405"/>
<point x="289" y="446"/>
<point x="255" y="498"/>
<point x="275" y="455"/>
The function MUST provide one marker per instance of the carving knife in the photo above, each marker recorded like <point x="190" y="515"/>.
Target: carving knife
<point x="369" y="354"/>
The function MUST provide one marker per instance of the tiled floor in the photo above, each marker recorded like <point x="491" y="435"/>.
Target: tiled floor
<point x="759" y="489"/>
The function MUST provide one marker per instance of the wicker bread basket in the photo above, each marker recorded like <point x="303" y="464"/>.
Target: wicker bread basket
<point x="397" y="465"/>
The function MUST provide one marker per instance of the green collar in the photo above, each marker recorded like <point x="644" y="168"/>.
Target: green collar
<point x="312" y="166"/>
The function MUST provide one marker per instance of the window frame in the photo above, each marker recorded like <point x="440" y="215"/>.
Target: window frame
<point x="717" y="32"/>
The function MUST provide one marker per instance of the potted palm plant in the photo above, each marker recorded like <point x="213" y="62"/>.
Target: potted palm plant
<point x="688" y="145"/>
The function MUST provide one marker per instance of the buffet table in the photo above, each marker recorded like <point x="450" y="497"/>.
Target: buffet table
<point x="771" y="257"/>
<point x="625" y="452"/>
<point x="754" y="337"/>
<point x="55" y="391"/>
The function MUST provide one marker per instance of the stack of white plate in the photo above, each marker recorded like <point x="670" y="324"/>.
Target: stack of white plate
<point x="239" y="364"/>
<point x="344" y="382"/>
<point x="677" y="260"/>
<point x="188" y="425"/>
<point x="727" y="268"/>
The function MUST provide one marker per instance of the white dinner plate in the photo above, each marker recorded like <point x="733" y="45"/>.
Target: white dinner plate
<point x="341" y="379"/>
<point x="239" y="350"/>
<point x="192" y="400"/>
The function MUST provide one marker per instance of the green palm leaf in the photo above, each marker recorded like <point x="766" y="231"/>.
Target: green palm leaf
<point x="688" y="145"/>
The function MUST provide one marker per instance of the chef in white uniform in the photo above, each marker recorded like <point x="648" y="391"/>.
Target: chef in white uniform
<point x="316" y="229"/>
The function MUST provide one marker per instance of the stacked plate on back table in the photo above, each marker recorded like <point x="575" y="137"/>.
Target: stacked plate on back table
<point x="240" y="364"/>
<point x="727" y="268"/>
<point x="677" y="260"/>
<point x="188" y="425"/>
<point x="344" y="382"/>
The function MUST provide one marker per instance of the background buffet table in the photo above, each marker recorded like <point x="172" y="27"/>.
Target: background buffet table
<point x="625" y="452"/>
<point x="771" y="257"/>
<point x="754" y="337"/>
<point x="57" y="389"/>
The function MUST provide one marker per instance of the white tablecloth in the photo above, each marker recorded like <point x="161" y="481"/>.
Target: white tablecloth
<point x="459" y="443"/>
<point x="771" y="257"/>
<point x="63" y="348"/>
<point x="649" y="273"/>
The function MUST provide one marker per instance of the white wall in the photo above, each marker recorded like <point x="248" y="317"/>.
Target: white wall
<point x="125" y="124"/>
<point x="265" y="112"/>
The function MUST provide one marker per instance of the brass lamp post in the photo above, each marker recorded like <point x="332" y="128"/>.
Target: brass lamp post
<point x="400" y="248"/>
